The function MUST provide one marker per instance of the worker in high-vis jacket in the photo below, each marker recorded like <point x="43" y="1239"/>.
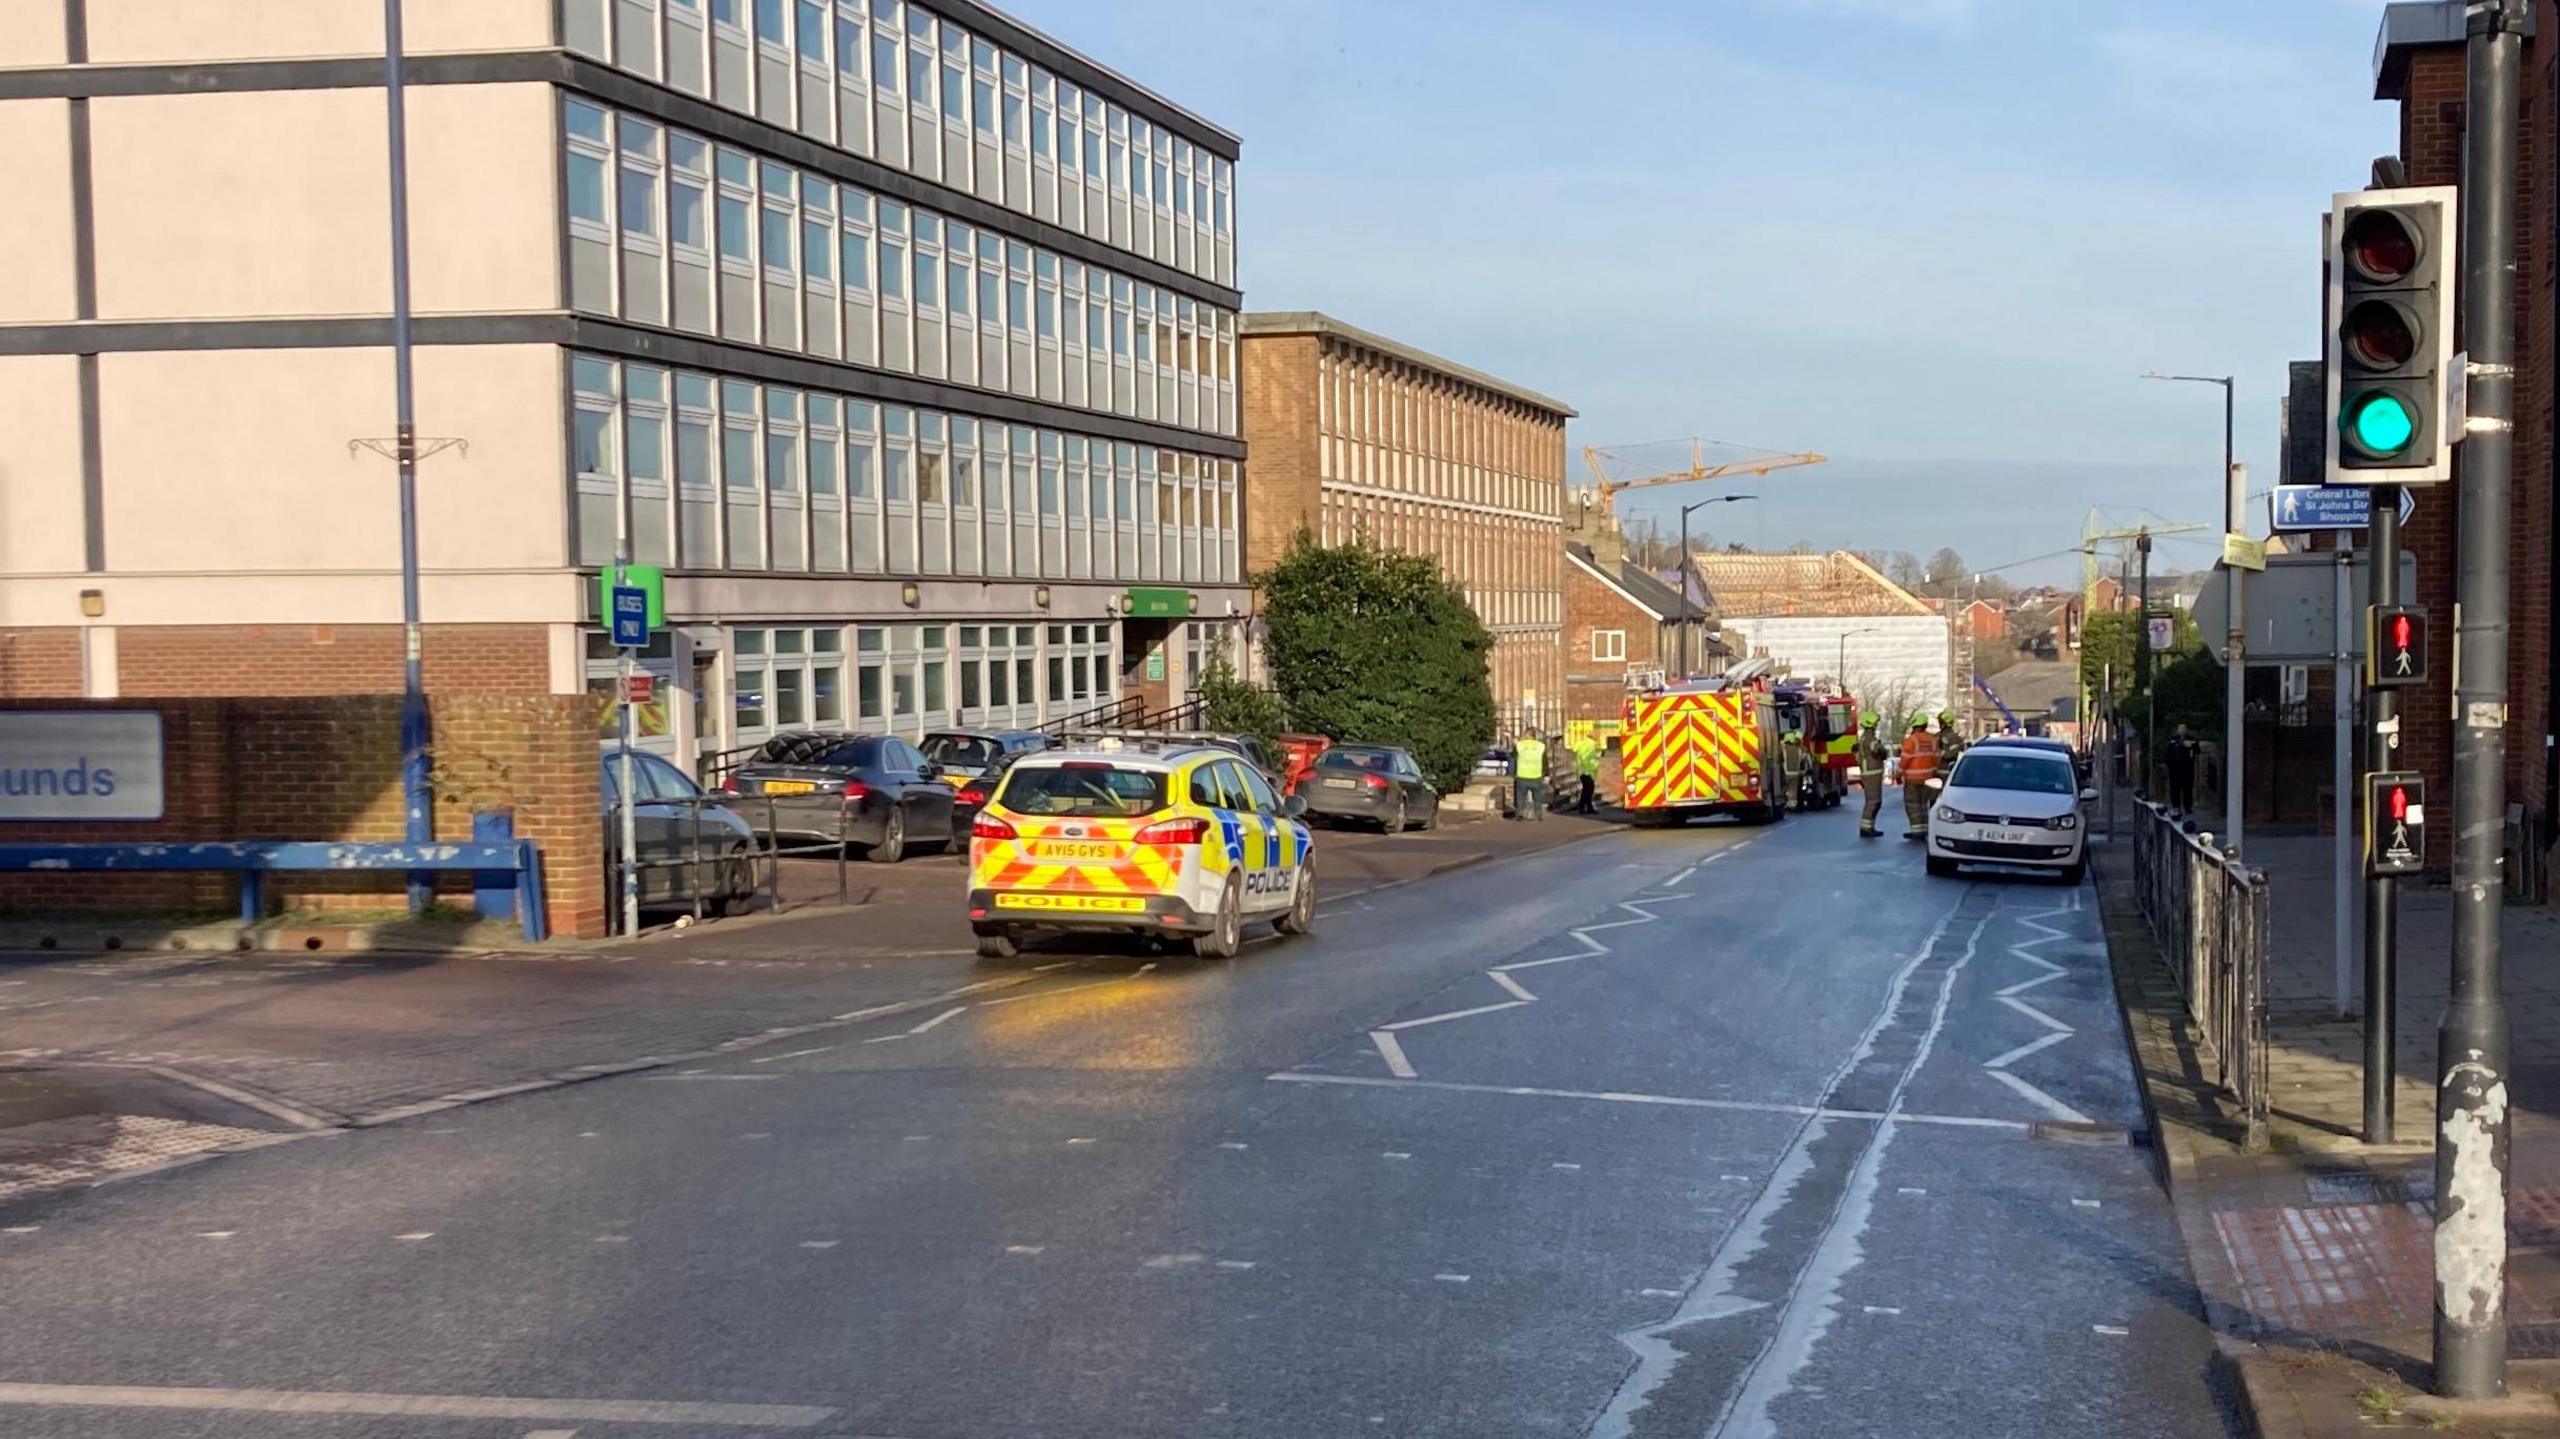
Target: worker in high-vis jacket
<point x="1950" y="743"/>
<point x="1795" y="767"/>
<point x="1919" y="766"/>
<point x="1872" y="759"/>
<point x="1529" y="777"/>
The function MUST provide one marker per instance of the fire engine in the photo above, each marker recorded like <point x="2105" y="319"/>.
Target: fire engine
<point x="1828" y="721"/>
<point x="1703" y="747"/>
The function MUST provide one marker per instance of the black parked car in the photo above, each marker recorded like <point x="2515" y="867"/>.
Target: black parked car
<point x="671" y="824"/>
<point x="972" y="760"/>
<point x="874" y="792"/>
<point x="1374" y="783"/>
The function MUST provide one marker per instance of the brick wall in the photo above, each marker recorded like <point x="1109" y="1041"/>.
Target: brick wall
<point x="224" y="660"/>
<point x="1282" y="488"/>
<point x="1594" y="688"/>
<point x="329" y="768"/>
<point x="2432" y="115"/>
<point x="39" y="663"/>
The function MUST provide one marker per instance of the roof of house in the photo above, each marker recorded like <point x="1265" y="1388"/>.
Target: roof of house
<point x="2033" y="686"/>
<point x="1314" y="322"/>
<point x="1635" y="586"/>
<point x="1761" y="585"/>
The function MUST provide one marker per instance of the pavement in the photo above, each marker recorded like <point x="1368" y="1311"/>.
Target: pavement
<point x="1713" y="1131"/>
<point x="2316" y="1257"/>
<point x="293" y="1041"/>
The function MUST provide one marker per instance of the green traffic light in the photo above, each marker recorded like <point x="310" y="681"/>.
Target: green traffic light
<point x="2381" y="424"/>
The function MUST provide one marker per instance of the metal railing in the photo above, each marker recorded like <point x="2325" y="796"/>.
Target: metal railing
<point x="2208" y="914"/>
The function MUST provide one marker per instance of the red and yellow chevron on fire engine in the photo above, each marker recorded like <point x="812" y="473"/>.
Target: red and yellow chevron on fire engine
<point x="1703" y="747"/>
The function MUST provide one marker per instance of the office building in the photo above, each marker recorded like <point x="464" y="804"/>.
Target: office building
<point x="1358" y="436"/>
<point x="901" y="336"/>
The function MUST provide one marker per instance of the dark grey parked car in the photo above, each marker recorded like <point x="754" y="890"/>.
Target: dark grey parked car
<point x="877" y="793"/>
<point x="1372" y="783"/>
<point x="672" y="822"/>
<point x="972" y="760"/>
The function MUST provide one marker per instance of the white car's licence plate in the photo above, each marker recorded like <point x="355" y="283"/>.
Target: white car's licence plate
<point x="2011" y="836"/>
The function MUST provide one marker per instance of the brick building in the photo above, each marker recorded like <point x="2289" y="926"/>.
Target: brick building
<point x="1618" y="619"/>
<point x="2419" y="64"/>
<point x="1354" y="435"/>
<point x="900" y="335"/>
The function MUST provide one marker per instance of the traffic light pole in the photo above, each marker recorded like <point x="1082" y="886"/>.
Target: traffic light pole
<point x="2144" y="666"/>
<point x="2381" y="891"/>
<point x="2472" y="1040"/>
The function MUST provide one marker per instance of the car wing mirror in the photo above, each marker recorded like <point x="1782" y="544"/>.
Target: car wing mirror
<point x="1936" y="783"/>
<point x="2088" y="794"/>
<point x="1295" y="807"/>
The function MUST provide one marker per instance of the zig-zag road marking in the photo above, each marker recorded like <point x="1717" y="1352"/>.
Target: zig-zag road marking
<point x="1392" y="1051"/>
<point x="2058" y="1031"/>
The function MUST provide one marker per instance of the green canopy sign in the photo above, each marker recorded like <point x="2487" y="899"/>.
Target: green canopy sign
<point x="1156" y="604"/>
<point x="652" y="578"/>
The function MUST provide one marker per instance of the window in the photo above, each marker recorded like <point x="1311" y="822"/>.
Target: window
<point x="587" y="155"/>
<point x="1608" y="644"/>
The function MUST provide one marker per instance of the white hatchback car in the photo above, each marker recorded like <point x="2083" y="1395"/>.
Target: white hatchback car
<point x="2009" y="805"/>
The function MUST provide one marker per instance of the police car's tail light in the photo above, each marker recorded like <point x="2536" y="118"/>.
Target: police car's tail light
<point x="987" y="826"/>
<point x="1174" y="831"/>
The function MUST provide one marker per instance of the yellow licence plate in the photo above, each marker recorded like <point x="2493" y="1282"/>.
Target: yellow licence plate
<point x="1073" y="849"/>
<point x="789" y="786"/>
<point x="1075" y="903"/>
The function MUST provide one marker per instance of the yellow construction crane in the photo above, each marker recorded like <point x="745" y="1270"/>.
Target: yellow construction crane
<point x="2101" y="528"/>
<point x="1628" y="467"/>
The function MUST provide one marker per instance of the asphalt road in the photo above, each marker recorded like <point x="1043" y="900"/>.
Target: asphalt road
<point x="1708" y="1132"/>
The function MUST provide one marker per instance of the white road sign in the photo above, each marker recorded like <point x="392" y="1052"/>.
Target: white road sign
<point x="80" y="764"/>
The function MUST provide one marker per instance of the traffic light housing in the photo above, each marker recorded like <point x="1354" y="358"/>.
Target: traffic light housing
<point x="2395" y="645"/>
<point x="2395" y="823"/>
<point x="2390" y="306"/>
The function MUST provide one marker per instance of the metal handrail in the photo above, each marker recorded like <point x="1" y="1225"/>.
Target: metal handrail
<point x="2209" y="915"/>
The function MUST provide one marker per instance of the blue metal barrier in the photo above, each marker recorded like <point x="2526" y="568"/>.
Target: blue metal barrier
<point x="253" y="860"/>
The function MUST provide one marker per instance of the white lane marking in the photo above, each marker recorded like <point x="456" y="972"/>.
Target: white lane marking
<point x="2117" y="1330"/>
<point x="1658" y="1293"/>
<point x="1390" y="1050"/>
<point x="1814" y="1302"/>
<point x="794" y="1054"/>
<point x="551" y="1434"/>
<point x="1513" y="985"/>
<point x="1881" y="1308"/>
<point x="1082" y="1139"/>
<point x="1713" y="1296"/>
<point x="1452" y="1014"/>
<point x="2052" y="971"/>
<point x="1453" y="1278"/>
<point x="1235" y="1144"/>
<point x="2085" y="1204"/>
<point x="2040" y="1099"/>
<point x="1565" y="1166"/>
<point x="1173" y="1261"/>
<point x="1026" y="1249"/>
<point x="1911" y="1189"/>
<point x="413" y="1238"/>
<point x="215" y="1233"/>
<point x="2023" y="1050"/>
<point x="1675" y="1101"/>
<point x="818" y="1243"/>
<point x="21" y="1229"/>
<point x="1395" y="1154"/>
<point x="590" y="1133"/>
<point x="757" y="1134"/>
<point x="914" y="1138"/>
<point x="1236" y="1263"/>
<point x="704" y="1074"/>
<point x="613" y="1239"/>
<point x="1061" y="964"/>
<point x="875" y="1039"/>
<point x="952" y="1013"/>
<point x="415" y="1406"/>
<point x="2031" y="1012"/>
<point x="1677" y="880"/>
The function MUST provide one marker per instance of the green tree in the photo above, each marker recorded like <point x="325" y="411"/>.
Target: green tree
<point x="1231" y="706"/>
<point x="1373" y="646"/>
<point x="2188" y="690"/>
<point x="2107" y="641"/>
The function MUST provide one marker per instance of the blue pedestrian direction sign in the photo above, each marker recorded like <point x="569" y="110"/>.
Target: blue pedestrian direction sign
<point x="630" y="616"/>
<point x="2327" y="507"/>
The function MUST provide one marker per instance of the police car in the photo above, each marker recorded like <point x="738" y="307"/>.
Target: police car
<point x="1152" y="837"/>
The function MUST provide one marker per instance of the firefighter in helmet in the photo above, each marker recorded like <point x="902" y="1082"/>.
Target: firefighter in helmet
<point x="1919" y="765"/>
<point x="1872" y="758"/>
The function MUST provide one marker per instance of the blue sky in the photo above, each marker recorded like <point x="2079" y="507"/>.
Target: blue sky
<point x="1935" y="239"/>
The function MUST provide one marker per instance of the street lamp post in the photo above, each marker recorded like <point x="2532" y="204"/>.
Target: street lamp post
<point x="2235" y="674"/>
<point x="1688" y="571"/>
<point x="419" y="816"/>
<point x="1840" y="671"/>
